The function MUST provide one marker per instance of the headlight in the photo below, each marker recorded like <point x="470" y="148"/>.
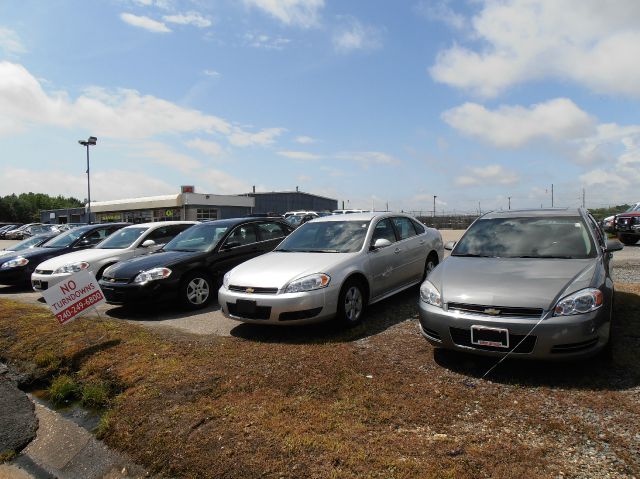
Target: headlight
<point x="14" y="263"/>
<point x="225" y="279"/>
<point x="152" y="275"/>
<point x="579" y="302"/>
<point x="72" y="267"/>
<point x="308" y="283"/>
<point x="430" y="294"/>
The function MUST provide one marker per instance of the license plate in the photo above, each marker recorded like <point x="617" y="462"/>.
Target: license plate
<point x="36" y="282"/>
<point x="494" y="337"/>
<point x="244" y="306"/>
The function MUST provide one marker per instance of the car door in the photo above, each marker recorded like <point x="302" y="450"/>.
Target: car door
<point x="239" y="246"/>
<point x="93" y="237"/>
<point x="383" y="262"/>
<point x="412" y="255"/>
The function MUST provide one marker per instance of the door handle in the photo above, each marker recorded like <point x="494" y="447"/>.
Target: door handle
<point x="397" y="250"/>
<point x="421" y="241"/>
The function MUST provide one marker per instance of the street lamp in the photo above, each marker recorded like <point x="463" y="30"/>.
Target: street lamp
<point x="434" y="205"/>
<point x="90" y="142"/>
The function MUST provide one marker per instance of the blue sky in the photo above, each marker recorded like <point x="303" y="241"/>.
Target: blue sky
<point x="369" y="102"/>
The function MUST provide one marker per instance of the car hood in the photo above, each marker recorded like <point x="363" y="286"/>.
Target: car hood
<point x="89" y="255"/>
<point x="130" y="268"/>
<point x="34" y="255"/>
<point x="515" y="282"/>
<point x="276" y="269"/>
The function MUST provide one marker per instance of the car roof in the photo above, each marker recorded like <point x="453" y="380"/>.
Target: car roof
<point x="534" y="213"/>
<point x="230" y="222"/>
<point x="359" y="216"/>
<point x="157" y="224"/>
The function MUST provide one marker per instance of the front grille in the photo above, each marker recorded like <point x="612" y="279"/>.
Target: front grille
<point x="253" y="290"/>
<point x="574" y="347"/>
<point x="304" y="314"/>
<point x="496" y="311"/>
<point x="261" y="312"/>
<point x="42" y="285"/>
<point x="115" y="280"/>
<point x="462" y="337"/>
<point x="44" y="271"/>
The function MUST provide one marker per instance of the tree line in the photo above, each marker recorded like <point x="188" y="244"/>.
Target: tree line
<point x="25" y="208"/>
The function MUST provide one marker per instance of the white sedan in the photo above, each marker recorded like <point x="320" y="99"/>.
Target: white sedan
<point x="126" y="243"/>
<point x="332" y="266"/>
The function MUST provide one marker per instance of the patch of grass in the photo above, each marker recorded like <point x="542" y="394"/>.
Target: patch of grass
<point x="47" y="359"/>
<point x="62" y="388"/>
<point x="104" y="425"/>
<point x="6" y="456"/>
<point x="95" y="395"/>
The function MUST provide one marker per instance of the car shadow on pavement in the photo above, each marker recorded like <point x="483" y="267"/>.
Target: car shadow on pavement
<point x="378" y="318"/>
<point x="7" y="289"/>
<point x="158" y="312"/>
<point x="620" y="372"/>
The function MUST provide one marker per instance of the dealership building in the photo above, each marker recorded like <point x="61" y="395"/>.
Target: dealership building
<point x="189" y="205"/>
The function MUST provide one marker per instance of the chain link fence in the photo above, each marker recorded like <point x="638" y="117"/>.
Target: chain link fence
<point x="450" y="222"/>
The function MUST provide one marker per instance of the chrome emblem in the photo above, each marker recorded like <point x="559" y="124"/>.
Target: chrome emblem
<point x="492" y="312"/>
<point x="249" y="290"/>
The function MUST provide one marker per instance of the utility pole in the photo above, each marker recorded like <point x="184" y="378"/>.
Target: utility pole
<point x="434" y="205"/>
<point x="552" y="195"/>
<point x="509" y="201"/>
<point x="583" y="195"/>
<point x="479" y="209"/>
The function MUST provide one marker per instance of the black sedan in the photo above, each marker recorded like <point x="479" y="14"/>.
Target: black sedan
<point x="16" y="269"/>
<point x="191" y="266"/>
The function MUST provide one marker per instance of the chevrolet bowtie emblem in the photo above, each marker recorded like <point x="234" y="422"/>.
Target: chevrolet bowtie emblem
<point x="249" y="290"/>
<point x="492" y="312"/>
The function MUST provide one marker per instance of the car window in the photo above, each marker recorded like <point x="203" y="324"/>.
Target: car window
<point x="98" y="235"/>
<point x="418" y="226"/>
<point x="384" y="229"/>
<point x="404" y="227"/>
<point x="242" y="235"/>
<point x="527" y="237"/>
<point x="597" y="230"/>
<point x="165" y="234"/>
<point x="327" y="237"/>
<point x="269" y="231"/>
<point x="202" y="237"/>
<point x="122" y="238"/>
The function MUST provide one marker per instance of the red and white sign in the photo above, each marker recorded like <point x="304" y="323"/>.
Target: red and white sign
<point x="74" y="296"/>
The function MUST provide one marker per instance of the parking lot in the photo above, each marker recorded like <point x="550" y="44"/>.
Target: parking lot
<point x="626" y="269"/>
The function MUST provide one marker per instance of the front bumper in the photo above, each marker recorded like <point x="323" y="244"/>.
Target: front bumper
<point x="135" y="293"/>
<point x="15" y="276"/>
<point x="283" y="309"/>
<point x="42" y="282"/>
<point x="562" y="337"/>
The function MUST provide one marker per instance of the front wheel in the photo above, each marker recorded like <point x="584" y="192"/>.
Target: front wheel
<point x="351" y="303"/>
<point x="628" y="239"/>
<point x="196" y="291"/>
<point x="430" y="264"/>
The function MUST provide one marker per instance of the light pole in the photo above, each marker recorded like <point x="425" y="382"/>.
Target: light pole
<point x="434" y="205"/>
<point x="509" y="201"/>
<point x="90" y="142"/>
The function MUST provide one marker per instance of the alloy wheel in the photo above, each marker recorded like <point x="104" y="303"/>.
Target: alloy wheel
<point x="198" y="291"/>
<point x="353" y="304"/>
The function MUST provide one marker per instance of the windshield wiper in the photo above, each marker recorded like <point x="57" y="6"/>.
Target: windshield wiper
<point x="545" y="257"/>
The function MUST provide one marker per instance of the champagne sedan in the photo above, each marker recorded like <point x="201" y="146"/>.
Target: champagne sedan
<point x="332" y="266"/>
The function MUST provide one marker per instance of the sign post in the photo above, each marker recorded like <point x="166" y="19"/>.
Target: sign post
<point x="73" y="297"/>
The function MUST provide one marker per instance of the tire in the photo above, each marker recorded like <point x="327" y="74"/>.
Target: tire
<point x="429" y="265"/>
<point x="607" y="352"/>
<point x="351" y="303"/>
<point x="101" y="271"/>
<point x="196" y="291"/>
<point x="628" y="239"/>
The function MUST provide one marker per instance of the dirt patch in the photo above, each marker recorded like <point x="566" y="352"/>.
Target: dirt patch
<point x="377" y="401"/>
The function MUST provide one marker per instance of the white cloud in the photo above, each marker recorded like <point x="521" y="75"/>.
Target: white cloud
<point x="211" y="73"/>
<point x="221" y="183"/>
<point x="146" y="23"/>
<point x="162" y="154"/>
<point x="441" y="11"/>
<point x="300" y="13"/>
<point x="263" y="137"/>
<point x="487" y="175"/>
<point x="209" y="148"/>
<point x="105" y="184"/>
<point x="368" y="158"/>
<point x="356" y="36"/>
<point x="513" y="126"/>
<point x="265" y="41"/>
<point x="525" y="40"/>
<point x="190" y="18"/>
<point x="300" y="155"/>
<point x="305" y="140"/>
<point x="10" y="42"/>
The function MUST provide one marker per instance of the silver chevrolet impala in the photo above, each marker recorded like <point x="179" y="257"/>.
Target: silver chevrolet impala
<point x="532" y="283"/>
<point x="332" y="266"/>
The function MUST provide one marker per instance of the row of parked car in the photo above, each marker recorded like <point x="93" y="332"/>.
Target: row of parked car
<point x="625" y="225"/>
<point x="532" y="283"/>
<point x="29" y="230"/>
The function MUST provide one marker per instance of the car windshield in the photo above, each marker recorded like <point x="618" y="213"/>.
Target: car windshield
<point x="202" y="237"/>
<point x="633" y="208"/>
<point x="28" y="243"/>
<point x="64" y="239"/>
<point x="294" y="220"/>
<point x="546" y="237"/>
<point x="327" y="237"/>
<point x="122" y="239"/>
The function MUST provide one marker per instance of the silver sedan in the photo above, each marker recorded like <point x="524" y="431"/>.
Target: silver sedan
<point x="533" y="283"/>
<point x="332" y="266"/>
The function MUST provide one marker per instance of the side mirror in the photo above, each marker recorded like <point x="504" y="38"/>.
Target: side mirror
<point x="231" y="244"/>
<point x="84" y="243"/>
<point x="381" y="243"/>
<point x="614" y="245"/>
<point x="147" y="243"/>
<point x="449" y="245"/>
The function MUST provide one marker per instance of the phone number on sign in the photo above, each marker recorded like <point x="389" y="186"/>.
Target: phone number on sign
<point x="80" y="306"/>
